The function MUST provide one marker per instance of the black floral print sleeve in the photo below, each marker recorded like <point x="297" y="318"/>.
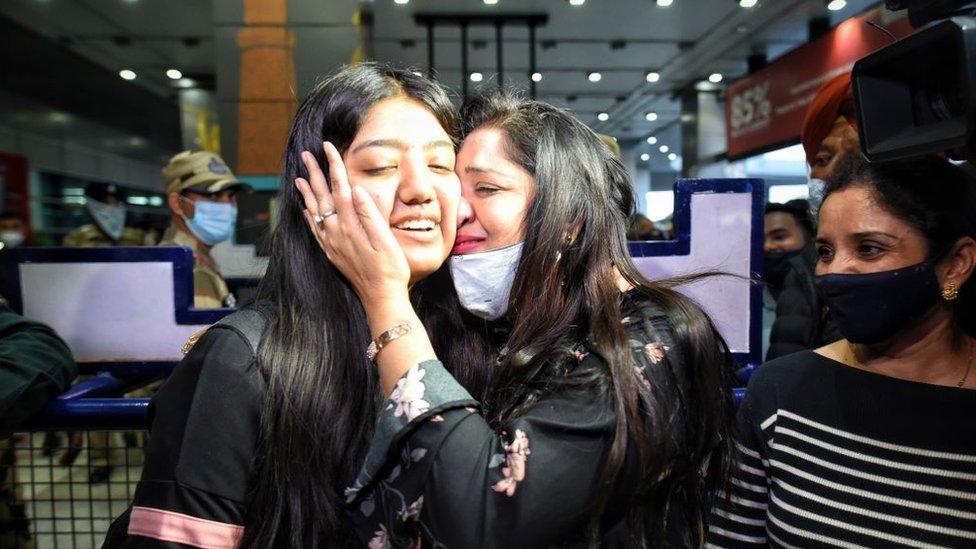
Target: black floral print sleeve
<point x="438" y="475"/>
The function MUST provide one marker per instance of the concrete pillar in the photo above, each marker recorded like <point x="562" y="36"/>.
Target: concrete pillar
<point x="269" y="53"/>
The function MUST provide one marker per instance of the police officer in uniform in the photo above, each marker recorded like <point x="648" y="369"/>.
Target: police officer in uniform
<point x="106" y="206"/>
<point x="202" y="196"/>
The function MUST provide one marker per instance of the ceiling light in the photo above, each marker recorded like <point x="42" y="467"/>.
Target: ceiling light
<point x="400" y="1"/>
<point x="748" y="3"/>
<point x="477" y="77"/>
<point x="652" y="76"/>
<point x="174" y="74"/>
<point x="836" y="5"/>
<point x="127" y="74"/>
<point x="594" y="77"/>
<point x="491" y="2"/>
<point x="664" y="3"/>
<point x="672" y="157"/>
<point x="651" y="116"/>
<point x="576" y="2"/>
<point x="663" y="148"/>
<point x="715" y="78"/>
<point x="537" y="77"/>
<point x="652" y="140"/>
<point x="603" y="117"/>
<point x="645" y="157"/>
<point x="185" y="83"/>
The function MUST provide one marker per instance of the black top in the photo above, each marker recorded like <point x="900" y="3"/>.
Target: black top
<point x="437" y="472"/>
<point x="833" y="455"/>
<point x="204" y="424"/>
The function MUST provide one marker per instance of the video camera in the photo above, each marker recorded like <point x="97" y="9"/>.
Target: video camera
<point x="918" y="95"/>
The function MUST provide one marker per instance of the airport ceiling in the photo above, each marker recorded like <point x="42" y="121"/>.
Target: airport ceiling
<point x="621" y="39"/>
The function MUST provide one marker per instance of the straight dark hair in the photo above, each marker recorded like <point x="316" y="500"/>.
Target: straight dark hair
<point x="930" y="194"/>
<point x="564" y="293"/>
<point x="321" y="391"/>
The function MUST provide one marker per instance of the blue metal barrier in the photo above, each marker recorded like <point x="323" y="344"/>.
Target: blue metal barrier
<point x="88" y="405"/>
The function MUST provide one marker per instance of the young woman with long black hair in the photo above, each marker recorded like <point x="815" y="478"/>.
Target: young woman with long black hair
<point x="268" y="417"/>
<point x="606" y="415"/>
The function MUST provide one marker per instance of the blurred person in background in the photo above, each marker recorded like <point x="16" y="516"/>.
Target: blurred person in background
<point x="202" y="196"/>
<point x="800" y="321"/>
<point x="105" y="204"/>
<point x="13" y="230"/>
<point x="829" y="133"/>
<point x="642" y="228"/>
<point x="35" y="366"/>
<point x="870" y="441"/>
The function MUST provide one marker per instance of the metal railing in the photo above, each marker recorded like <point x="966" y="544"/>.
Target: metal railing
<point x="76" y="466"/>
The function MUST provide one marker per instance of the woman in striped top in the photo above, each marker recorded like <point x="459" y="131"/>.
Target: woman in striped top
<point x="871" y="441"/>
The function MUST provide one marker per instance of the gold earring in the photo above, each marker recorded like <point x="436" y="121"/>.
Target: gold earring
<point x="950" y="292"/>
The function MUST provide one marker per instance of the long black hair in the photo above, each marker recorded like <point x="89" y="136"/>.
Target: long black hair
<point x="582" y="203"/>
<point x="932" y="195"/>
<point x="320" y="388"/>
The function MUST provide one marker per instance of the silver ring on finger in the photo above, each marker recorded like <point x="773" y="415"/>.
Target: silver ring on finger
<point x="320" y="218"/>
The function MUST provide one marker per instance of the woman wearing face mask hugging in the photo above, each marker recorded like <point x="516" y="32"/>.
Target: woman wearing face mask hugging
<point x="605" y="419"/>
<point x="870" y="441"/>
<point x="267" y="419"/>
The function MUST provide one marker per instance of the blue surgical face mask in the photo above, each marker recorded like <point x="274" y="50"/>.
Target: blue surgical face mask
<point x="873" y="307"/>
<point x="212" y="222"/>
<point x="110" y="219"/>
<point x="483" y="280"/>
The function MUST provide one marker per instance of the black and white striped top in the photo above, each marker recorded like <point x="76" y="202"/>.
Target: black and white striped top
<point x="834" y="456"/>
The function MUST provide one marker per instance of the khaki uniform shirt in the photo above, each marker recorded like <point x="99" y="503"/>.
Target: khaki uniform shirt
<point x="209" y="289"/>
<point x="90" y="236"/>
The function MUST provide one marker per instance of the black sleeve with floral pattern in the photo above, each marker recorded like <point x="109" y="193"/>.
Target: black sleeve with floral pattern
<point x="438" y="475"/>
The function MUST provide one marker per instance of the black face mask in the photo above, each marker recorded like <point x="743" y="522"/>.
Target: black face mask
<point x="776" y="265"/>
<point x="870" y="308"/>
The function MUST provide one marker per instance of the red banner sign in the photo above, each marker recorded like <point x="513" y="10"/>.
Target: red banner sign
<point x="765" y="110"/>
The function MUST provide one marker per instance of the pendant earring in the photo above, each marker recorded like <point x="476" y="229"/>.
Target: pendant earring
<point x="950" y="292"/>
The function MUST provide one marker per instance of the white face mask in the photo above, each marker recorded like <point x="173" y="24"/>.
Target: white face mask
<point x="483" y="280"/>
<point x="110" y="219"/>
<point x="11" y="239"/>
<point x="815" y="193"/>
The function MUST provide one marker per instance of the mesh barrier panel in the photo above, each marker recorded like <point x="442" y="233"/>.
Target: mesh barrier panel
<point x="62" y="490"/>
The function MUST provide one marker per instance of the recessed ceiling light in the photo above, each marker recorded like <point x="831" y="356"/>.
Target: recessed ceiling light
<point x="652" y="76"/>
<point x="663" y="148"/>
<point x="645" y="157"/>
<point x="715" y="78"/>
<point x="127" y="74"/>
<point x="651" y="140"/>
<point x="672" y="157"/>
<point x="185" y="83"/>
<point x="748" y="3"/>
<point x="491" y="2"/>
<point x="651" y="116"/>
<point x="594" y="77"/>
<point x="836" y="5"/>
<point x="477" y="77"/>
<point x="603" y="117"/>
<point x="174" y="74"/>
<point x="400" y="1"/>
<point x="576" y="2"/>
<point x="537" y="77"/>
<point x="665" y="3"/>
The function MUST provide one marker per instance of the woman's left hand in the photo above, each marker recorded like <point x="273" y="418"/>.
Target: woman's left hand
<point x="353" y="233"/>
